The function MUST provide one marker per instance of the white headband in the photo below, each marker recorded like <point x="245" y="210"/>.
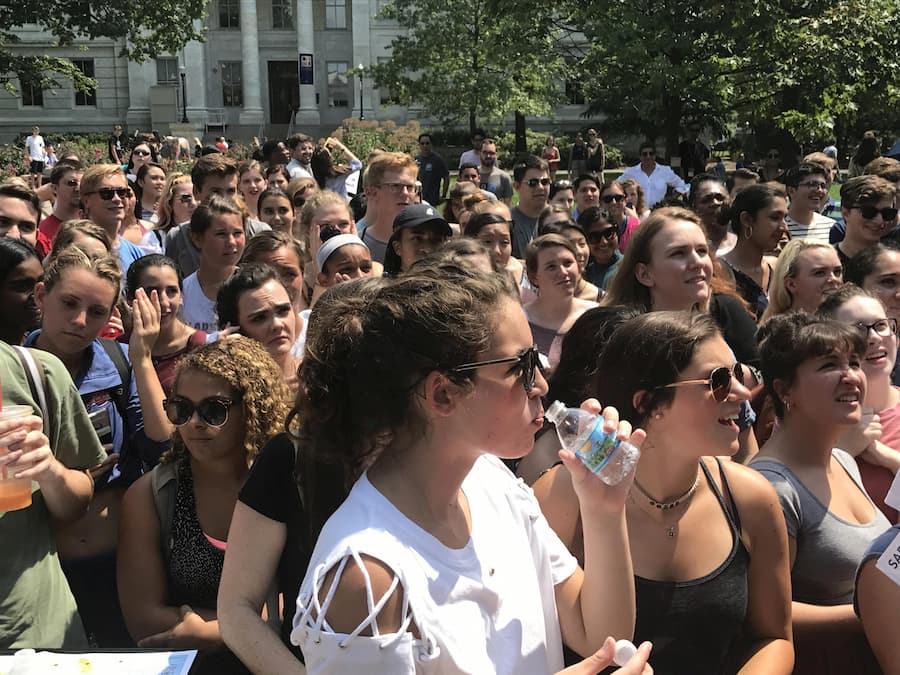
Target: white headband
<point x="333" y="244"/>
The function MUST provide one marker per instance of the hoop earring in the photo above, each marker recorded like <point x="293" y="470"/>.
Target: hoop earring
<point x="748" y="232"/>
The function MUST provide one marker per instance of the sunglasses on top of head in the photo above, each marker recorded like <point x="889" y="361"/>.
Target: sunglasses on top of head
<point x="719" y="381"/>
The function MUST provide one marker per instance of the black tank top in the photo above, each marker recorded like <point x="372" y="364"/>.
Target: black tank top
<point x="694" y="624"/>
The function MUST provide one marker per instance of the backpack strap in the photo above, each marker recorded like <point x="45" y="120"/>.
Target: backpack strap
<point x="121" y="394"/>
<point x="164" y="485"/>
<point x="37" y="378"/>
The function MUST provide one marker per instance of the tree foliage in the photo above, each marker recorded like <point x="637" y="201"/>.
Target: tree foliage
<point x="471" y="58"/>
<point x="146" y="27"/>
<point x="654" y="65"/>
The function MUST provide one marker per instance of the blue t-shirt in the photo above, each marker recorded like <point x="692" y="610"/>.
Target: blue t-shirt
<point x="128" y="253"/>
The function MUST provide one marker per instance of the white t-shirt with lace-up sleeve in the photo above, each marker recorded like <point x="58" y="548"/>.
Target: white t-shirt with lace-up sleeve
<point x="488" y="607"/>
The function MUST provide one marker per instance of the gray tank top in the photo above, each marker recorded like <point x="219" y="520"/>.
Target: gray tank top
<point x="829" y="549"/>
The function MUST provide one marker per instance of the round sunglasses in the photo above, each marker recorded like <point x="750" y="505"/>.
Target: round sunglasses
<point x="213" y="410"/>
<point x="719" y="381"/>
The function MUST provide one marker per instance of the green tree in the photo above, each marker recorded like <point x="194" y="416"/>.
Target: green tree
<point x="799" y="67"/>
<point x="147" y="27"/>
<point x="475" y="59"/>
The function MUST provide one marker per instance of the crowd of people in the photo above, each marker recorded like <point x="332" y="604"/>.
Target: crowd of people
<point x="289" y="412"/>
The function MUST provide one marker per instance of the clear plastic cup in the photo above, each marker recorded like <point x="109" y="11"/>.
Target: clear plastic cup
<point x="15" y="493"/>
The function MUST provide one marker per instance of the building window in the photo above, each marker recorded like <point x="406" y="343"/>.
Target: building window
<point x="82" y="98"/>
<point x="283" y="14"/>
<point x="336" y="14"/>
<point x="167" y="70"/>
<point x="386" y="96"/>
<point x="229" y="14"/>
<point x="32" y="94"/>
<point x="574" y="95"/>
<point x="338" y="84"/>
<point x="232" y="89"/>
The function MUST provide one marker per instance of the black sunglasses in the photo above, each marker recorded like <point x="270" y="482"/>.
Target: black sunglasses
<point x="528" y="361"/>
<point x="534" y="182"/>
<point x="213" y="411"/>
<point x="298" y="202"/>
<point x="719" y="381"/>
<point x="107" y="193"/>
<point x="608" y="234"/>
<point x="186" y="199"/>
<point x="869" y="212"/>
<point x="609" y="199"/>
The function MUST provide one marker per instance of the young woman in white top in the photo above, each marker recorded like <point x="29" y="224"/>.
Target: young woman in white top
<point x="218" y="229"/>
<point x="439" y="560"/>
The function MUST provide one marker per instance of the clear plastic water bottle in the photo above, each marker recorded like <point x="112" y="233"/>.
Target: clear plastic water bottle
<point x="582" y="433"/>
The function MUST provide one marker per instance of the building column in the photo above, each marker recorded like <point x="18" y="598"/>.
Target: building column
<point x="194" y="56"/>
<point x="308" y="113"/>
<point x="140" y="78"/>
<point x="252" y="112"/>
<point x="361" y="25"/>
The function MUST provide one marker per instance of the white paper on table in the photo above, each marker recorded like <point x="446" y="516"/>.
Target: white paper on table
<point x="109" y="663"/>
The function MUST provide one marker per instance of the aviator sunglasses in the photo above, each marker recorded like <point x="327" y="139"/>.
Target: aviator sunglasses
<point x="528" y="361"/>
<point x="719" y="381"/>
<point x="213" y="411"/>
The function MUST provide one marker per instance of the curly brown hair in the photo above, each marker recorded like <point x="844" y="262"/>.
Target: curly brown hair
<point x="251" y="372"/>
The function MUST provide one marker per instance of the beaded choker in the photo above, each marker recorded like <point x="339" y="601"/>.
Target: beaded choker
<point x="665" y="506"/>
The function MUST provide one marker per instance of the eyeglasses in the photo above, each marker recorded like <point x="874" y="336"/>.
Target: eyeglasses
<point x="888" y="214"/>
<point x="608" y="234"/>
<point x="609" y="199"/>
<point x="186" y="199"/>
<point x="719" y="381"/>
<point x="815" y="185"/>
<point x="534" y="182"/>
<point x="882" y="327"/>
<point x="141" y="153"/>
<point x="213" y="411"/>
<point x="528" y="362"/>
<point x="107" y="193"/>
<point x="399" y="188"/>
<point x="648" y="153"/>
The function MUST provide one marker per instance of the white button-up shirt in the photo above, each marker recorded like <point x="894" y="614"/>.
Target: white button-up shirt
<point x="656" y="184"/>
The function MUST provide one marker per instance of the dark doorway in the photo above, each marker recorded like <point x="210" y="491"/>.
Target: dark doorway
<point x="284" y="91"/>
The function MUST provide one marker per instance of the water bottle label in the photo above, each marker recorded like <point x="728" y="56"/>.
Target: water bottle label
<point x="598" y="448"/>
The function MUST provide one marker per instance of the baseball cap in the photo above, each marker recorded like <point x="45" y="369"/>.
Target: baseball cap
<point x="415" y="215"/>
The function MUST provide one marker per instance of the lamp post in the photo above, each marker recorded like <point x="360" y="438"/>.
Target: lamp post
<point x="360" y="70"/>
<point x="184" y="117"/>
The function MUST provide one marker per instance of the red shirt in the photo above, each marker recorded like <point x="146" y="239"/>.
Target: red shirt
<point x="48" y="227"/>
<point x="876" y="479"/>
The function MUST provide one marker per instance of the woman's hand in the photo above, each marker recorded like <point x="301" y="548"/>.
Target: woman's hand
<point x="191" y="631"/>
<point x="29" y="455"/>
<point x="593" y="494"/>
<point x="861" y="436"/>
<point x="637" y="664"/>
<point x="145" y="331"/>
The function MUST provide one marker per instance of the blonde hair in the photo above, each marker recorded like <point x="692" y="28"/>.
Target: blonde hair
<point x="641" y="205"/>
<point x="69" y="231"/>
<point x="625" y="289"/>
<point x="93" y="175"/>
<point x="780" y="298"/>
<point x="322" y="199"/>
<point x="166" y="211"/>
<point x="298" y="184"/>
<point x="104" y="267"/>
